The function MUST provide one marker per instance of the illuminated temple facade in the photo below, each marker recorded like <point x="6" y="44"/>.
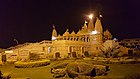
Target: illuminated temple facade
<point x="86" y="41"/>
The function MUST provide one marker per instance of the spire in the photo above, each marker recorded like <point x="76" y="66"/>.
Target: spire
<point x="54" y="32"/>
<point x="79" y="32"/>
<point x="98" y="26"/>
<point x="84" y="28"/>
<point x="107" y="32"/>
<point x="66" y="33"/>
<point x="90" y="25"/>
<point x="72" y="33"/>
<point x="85" y="25"/>
<point x="59" y="36"/>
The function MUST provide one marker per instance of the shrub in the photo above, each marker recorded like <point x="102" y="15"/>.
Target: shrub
<point x="59" y="73"/>
<point x="33" y="56"/>
<point x="10" y="62"/>
<point x="80" y="68"/>
<point x="20" y="64"/>
<point x="87" y="58"/>
<point x="128" y="61"/>
<point x="6" y="76"/>
<point x="59" y="65"/>
<point x="72" y="70"/>
<point x="100" y="69"/>
<point x="85" y="68"/>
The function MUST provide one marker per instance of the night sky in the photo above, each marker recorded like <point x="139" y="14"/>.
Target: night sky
<point x="32" y="20"/>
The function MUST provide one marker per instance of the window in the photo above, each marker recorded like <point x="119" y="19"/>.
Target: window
<point x="43" y="48"/>
<point x="49" y="49"/>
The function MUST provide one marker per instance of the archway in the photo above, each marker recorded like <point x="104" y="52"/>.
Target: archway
<point x="57" y="55"/>
<point x="86" y="54"/>
<point x="74" y="54"/>
<point x="4" y="58"/>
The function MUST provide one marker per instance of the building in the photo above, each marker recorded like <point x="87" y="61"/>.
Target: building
<point x="133" y="45"/>
<point x="86" y="42"/>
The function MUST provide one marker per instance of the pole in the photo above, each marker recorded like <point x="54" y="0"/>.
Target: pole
<point x="17" y="49"/>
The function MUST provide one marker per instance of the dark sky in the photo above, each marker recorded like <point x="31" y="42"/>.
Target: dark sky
<point x="32" y="20"/>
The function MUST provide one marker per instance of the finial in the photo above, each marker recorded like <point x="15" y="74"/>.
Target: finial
<point x="67" y="30"/>
<point x="53" y="26"/>
<point x="86" y="22"/>
<point x="100" y="15"/>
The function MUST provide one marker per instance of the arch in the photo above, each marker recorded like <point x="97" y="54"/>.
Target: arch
<point x="57" y="55"/>
<point x="74" y="54"/>
<point x="4" y="58"/>
<point x="86" y="54"/>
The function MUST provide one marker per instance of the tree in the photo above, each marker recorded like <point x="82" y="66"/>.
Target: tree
<point x="110" y="48"/>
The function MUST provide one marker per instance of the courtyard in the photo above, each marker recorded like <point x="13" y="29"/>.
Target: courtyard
<point x="44" y="72"/>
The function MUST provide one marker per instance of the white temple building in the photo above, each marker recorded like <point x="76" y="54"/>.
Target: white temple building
<point x="85" y="42"/>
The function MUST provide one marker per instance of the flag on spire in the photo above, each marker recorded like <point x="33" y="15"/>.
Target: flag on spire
<point x="100" y="15"/>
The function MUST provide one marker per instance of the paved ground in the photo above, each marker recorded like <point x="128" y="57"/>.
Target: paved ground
<point x="116" y="70"/>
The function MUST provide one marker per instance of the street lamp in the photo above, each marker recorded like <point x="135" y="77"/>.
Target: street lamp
<point x="17" y="48"/>
<point x="16" y="41"/>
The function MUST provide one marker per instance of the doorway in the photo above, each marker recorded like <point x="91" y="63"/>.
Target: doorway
<point x="57" y="55"/>
<point x="3" y="58"/>
<point x="74" y="54"/>
<point x="86" y="53"/>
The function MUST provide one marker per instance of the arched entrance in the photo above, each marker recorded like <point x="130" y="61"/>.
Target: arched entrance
<point x="86" y="54"/>
<point x="57" y="55"/>
<point x="4" y="58"/>
<point x="74" y="54"/>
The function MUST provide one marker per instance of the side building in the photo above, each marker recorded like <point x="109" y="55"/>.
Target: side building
<point x="133" y="45"/>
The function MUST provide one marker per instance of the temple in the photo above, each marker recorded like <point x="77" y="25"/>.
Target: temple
<point x="86" y="42"/>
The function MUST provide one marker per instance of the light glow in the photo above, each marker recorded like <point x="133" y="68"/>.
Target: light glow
<point x="90" y="16"/>
<point x="10" y="51"/>
<point x="94" y="32"/>
<point x="49" y="49"/>
<point x="53" y="38"/>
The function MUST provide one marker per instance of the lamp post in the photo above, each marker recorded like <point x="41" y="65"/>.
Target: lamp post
<point x="18" y="48"/>
<point x="16" y="41"/>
